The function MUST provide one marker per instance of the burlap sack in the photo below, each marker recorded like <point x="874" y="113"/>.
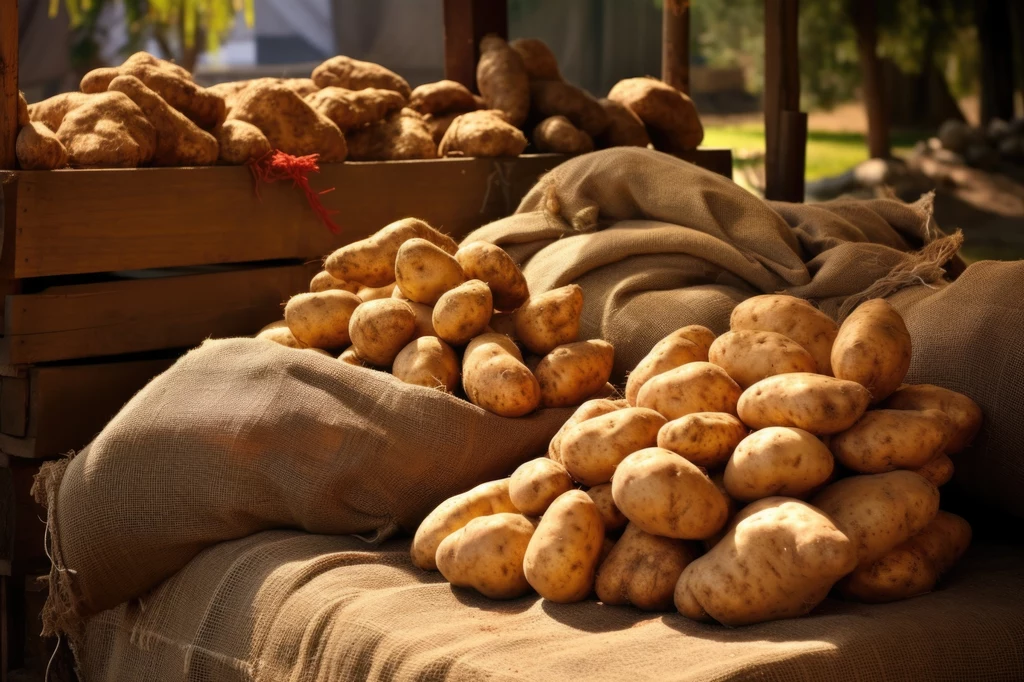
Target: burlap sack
<point x="244" y="435"/>
<point x="283" y="605"/>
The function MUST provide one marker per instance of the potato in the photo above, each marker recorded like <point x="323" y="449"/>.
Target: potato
<point x="353" y="74"/>
<point x="570" y="374"/>
<point x="441" y="97"/>
<point x="428" y="361"/>
<point x="749" y="356"/>
<point x="399" y="136"/>
<point x="503" y="323"/>
<point x="588" y="410"/>
<point x="463" y="312"/>
<point x="424" y="318"/>
<point x="591" y="450"/>
<point x="642" y="570"/>
<point x="37" y="148"/>
<point x="693" y="387"/>
<point x="483" y="133"/>
<point x="883" y="440"/>
<point x="290" y="123"/>
<point x="669" y="115"/>
<point x="454" y="513"/>
<point x="666" y="495"/>
<point x="689" y="344"/>
<point x="323" y="280"/>
<point x="423" y="271"/>
<point x="538" y="59"/>
<point x="371" y="261"/>
<point x="558" y="98"/>
<point x="282" y="335"/>
<point x="550" y="319"/>
<point x="913" y="567"/>
<point x="607" y="545"/>
<point x="321" y="319"/>
<point x="536" y="484"/>
<point x="381" y="328"/>
<point x="705" y="438"/>
<point x="964" y="414"/>
<point x="107" y="130"/>
<point x="778" y="460"/>
<point x="812" y="402"/>
<point x="373" y="293"/>
<point x="557" y="135"/>
<point x="491" y="264"/>
<point x="625" y="129"/>
<point x="873" y="348"/>
<point x="487" y="555"/>
<point x="350" y="357"/>
<point x="562" y="556"/>
<point x="239" y="142"/>
<point x="792" y="317"/>
<point x="495" y="378"/>
<point x="939" y="471"/>
<point x="502" y="79"/>
<point x="779" y="560"/>
<point x="612" y="518"/>
<point x="353" y="109"/>
<point x="879" y="511"/>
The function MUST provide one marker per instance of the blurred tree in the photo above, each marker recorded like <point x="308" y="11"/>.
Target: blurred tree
<point x="182" y="29"/>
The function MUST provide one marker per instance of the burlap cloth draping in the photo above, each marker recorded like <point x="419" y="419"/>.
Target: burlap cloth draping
<point x="242" y="436"/>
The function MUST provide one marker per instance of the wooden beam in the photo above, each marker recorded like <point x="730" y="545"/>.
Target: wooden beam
<point x="675" y="44"/>
<point x="13" y="405"/>
<point x="781" y="94"/>
<point x="8" y="81"/>
<point x="465" y="23"/>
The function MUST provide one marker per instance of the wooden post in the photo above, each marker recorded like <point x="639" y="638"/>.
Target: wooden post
<point x="782" y="94"/>
<point x="465" y="23"/>
<point x="675" y="44"/>
<point x="8" y="81"/>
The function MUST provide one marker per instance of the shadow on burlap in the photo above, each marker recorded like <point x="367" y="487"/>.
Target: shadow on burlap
<point x="240" y="437"/>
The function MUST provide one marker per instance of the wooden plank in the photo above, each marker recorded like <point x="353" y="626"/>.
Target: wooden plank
<point x="112" y="318"/>
<point x="675" y="44"/>
<point x="13" y="405"/>
<point x="792" y="154"/>
<point x="127" y="219"/>
<point x="8" y="81"/>
<point x="27" y="552"/>
<point x="8" y="214"/>
<point x="781" y="88"/>
<point x="465" y="23"/>
<point x="713" y="159"/>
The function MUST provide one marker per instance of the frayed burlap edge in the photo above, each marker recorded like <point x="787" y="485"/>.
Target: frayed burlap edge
<point x="60" y="613"/>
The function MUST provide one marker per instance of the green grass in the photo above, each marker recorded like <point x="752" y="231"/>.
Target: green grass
<point x="828" y="153"/>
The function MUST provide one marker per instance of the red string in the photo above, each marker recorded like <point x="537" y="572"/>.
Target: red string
<point x="276" y="165"/>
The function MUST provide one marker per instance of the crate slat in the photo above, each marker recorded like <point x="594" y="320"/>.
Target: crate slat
<point x="134" y="315"/>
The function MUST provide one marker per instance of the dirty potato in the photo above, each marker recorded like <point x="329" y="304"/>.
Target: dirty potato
<point x="239" y="142"/>
<point x="792" y="317"/>
<point x="779" y="560"/>
<point x="939" y="471"/>
<point x="463" y="312"/>
<point x="491" y="264"/>
<point x="536" y="484"/>
<point x="749" y="356"/>
<point x="278" y="332"/>
<point x="778" y="460"/>
<point x="666" y="495"/>
<point x="812" y="402"/>
<point x="321" y="319"/>
<point x="883" y="440"/>
<point x="571" y="373"/>
<point x="453" y="514"/>
<point x="441" y="97"/>
<point x="693" y="387"/>
<point x="550" y="319"/>
<point x="481" y="134"/>
<point x="323" y="280"/>
<point x="913" y="567"/>
<point x="562" y="556"/>
<point x="502" y="79"/>
<point x="350" y="357"/>
<point x="487" y="555"/>
<point x="588" y="410"/>
<point x="373" y="293"/>
<point x="873" y="348"/>
<point x="611" y="516"/>
<point x="558" y="98"/>
<point x="625" y="129"/>
<point x="669" y="115"/>
<point x="964" y="414"/>
<point x="424" y="271"/>
<point x="688" y="344"/>
<point x="495" y="378"/>
<point x="37" y="148"/>
<point x="428" y="361"/>
<point x="380" y="329"/>
<point x="352" y="109"/>
<point x="557" y="135"/>
<point x="705" y="438"/>
<point x="353" y="74"/>
<point x="879" y="511"/>
<point x="371" y="261"/>
<point x="592" y="449"/>
<point x="642" y="570"/>
<point x="538" y="59"/>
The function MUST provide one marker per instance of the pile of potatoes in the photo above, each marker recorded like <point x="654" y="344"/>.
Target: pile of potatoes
<point x="742" y="478"/>
<point x="409" y="300"/>
<point x="150" y="112"/>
